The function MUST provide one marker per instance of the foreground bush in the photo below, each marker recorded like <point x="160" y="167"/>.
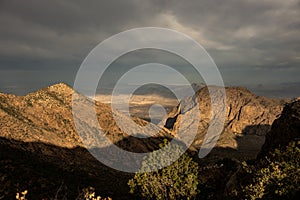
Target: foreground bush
<point x="278" y="176"/>
<point x="177" y="181"/>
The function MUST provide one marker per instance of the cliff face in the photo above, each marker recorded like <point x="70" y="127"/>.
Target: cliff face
<point x="248" y="119"/>
<point x="284" y="129"/>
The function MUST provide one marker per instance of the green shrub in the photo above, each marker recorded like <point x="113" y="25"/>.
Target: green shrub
<point x="176" y="181"/>
<point x="277" y="176"/>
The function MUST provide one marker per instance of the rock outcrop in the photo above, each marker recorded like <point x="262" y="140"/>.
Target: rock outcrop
<point x="284" y="129"/>
<point x="248" y="119"/>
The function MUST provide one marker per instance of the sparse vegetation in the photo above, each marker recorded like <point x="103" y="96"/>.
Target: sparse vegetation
<point x="90" y="194"/>
<point x="22" y="195"/>
<point x="86" y="194"/>
<point x="177" y="181"/>
<point x="276" y="176"/>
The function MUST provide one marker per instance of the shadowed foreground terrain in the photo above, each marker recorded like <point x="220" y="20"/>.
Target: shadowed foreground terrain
<point x="47" y="170"/>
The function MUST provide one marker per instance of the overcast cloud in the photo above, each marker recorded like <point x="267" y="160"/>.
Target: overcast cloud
<point x="252" y="42"/>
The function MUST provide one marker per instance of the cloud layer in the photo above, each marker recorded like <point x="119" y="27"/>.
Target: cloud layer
<point x="251" y="41"/>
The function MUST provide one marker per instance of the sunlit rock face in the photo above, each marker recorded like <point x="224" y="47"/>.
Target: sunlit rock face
<point x="248" y="119"/>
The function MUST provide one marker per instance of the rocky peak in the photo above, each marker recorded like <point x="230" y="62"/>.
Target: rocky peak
<point x="60" y="88"/>
<point x="248" y="118"/>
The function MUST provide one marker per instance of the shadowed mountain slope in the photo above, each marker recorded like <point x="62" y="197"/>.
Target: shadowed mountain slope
<point x="284" y="129"/>
<point x="276" y="166"/>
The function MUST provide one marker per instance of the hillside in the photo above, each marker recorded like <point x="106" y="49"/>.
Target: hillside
<point x="46" y="116"/>
<point x="41" y="151"/>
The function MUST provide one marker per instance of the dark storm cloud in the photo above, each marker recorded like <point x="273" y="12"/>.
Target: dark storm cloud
<point x="69" y="29"/>
<point x="264" y="29"/>
<point x="61" y="30"/>
<point x="241" y="35"/>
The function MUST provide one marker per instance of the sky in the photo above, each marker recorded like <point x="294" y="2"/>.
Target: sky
<point x="255" y="44"/>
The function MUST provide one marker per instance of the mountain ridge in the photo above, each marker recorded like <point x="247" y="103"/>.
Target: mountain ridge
<point x="46" y="116"/>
